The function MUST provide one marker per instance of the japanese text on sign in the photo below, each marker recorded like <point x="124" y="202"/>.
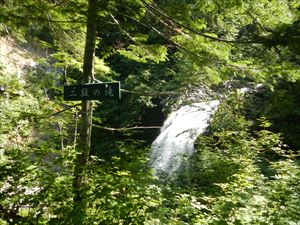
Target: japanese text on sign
<point x="100" y="91"/>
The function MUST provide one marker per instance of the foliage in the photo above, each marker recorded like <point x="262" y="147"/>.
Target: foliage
<point x="282" y="110"/>
<point x="145" y="53"/>
<point x="242" y="171"/>
<point x="32" y="167"/>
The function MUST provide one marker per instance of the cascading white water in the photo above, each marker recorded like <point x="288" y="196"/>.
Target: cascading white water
<point x="178" y="135"/>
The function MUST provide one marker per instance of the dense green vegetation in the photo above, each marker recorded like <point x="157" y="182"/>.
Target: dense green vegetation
<point x="245" y="169"/>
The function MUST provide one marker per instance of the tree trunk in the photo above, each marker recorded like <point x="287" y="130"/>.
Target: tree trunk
<point x="84" y="141"/>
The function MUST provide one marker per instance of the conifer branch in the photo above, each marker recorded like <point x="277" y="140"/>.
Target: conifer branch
<point x="175" y="44"/>
<point x="150" y="7"/>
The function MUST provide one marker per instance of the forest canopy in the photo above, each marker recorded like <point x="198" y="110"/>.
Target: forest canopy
<point x="245" y="167"/>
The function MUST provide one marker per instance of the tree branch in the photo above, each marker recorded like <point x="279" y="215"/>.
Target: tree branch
<point x="175" y="44"/>
<point x="126" y="128"/>
<point x="121" y="28"/>
<point x="151" y="7"/>
<point x="59" y="112"/>
<point x="153" y="93"/>
<point x="40" y="117"/>
<point x="43" y="19"/>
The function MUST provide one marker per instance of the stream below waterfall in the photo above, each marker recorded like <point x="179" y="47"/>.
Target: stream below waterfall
<point x="178" y="135"/>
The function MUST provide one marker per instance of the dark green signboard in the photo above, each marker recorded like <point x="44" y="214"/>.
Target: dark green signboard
<point x="99" y="91"/>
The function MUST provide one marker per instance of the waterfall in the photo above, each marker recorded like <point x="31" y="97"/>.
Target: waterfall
<point x="178" y="135"/>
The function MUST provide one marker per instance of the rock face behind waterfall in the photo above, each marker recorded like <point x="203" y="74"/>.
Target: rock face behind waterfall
<point x="178" y="135"/>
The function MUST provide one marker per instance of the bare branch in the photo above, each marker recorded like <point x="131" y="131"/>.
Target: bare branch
<point x="11" y="15"/>
<point x="152" y="93"/>
<point x="59" y="112"/>
<point x="126" y="128"/>
<point x="121" y="28"/>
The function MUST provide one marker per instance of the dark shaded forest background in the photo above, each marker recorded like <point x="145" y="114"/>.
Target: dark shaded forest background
<point x="245" y="168"/>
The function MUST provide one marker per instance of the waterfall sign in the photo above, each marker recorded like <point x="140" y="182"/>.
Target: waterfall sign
<point x="99" y="91"/>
